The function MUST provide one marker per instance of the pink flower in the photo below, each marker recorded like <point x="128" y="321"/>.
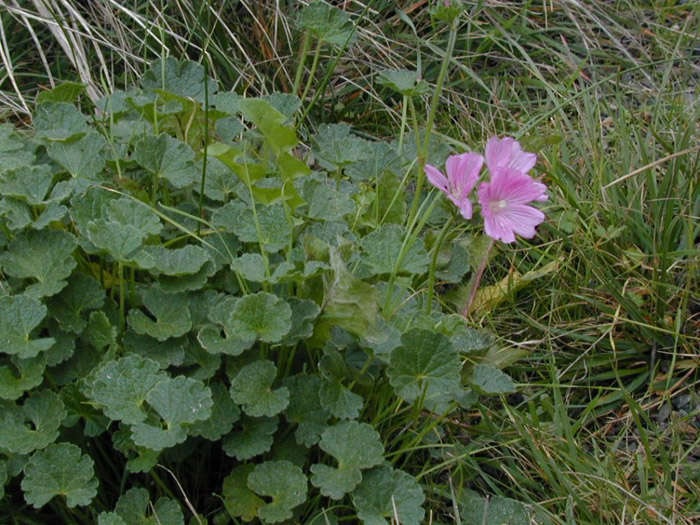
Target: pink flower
<point x="504" y="201"/>
<point x="462" y="175"/>
<point x="507" y="153"/>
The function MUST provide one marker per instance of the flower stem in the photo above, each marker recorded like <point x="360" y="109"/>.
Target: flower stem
<point x="433" y="265"/>
<point x="432" y="111"/>
<point x="312" y="73"/>
<point x="305" y="44"/>
<point x="477" y="279"/>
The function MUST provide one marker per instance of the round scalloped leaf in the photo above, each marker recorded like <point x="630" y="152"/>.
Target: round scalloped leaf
<point x="26" y="183"/>
<point x="185" y="79"/>
<point x="284" y="482"/>
<point x="355" y="446"/>
<point x="166" y="157"/>
<point x="261" y="316"/>
<point x="133" y="507"/>
<point x="171" y="313"/>
<point x="426" y="366"/>
<point x="45" y="411"/>
<point x="274" y="231"/>
<point x="179" y="402"/>
<point x="239" y="500"/>
<point x="134" y="213"/>
<point x="407" y="83"/>
<point x="224" y="413"/>
<point x="181" y="261"/>
<point x="487" y="379"/>
<point x="59" y="121"/>
<point x="82" y="158"/>
<point x="305" y="408"/>
<point x="252" y="388"/>
<point x="253" y="439"/>
<point x="327" y="23"/>
<point x="382" y="249"/>
<point x="120" y="387"/>
<point x="339" y="401"/>
<point x="82" y="294"/>
<point x="44" y="255"/>
<point x="18" y="375"/>
<point x="59" y="470"/>
<point x="386" y="494"/>
<point x="19" y="316"/>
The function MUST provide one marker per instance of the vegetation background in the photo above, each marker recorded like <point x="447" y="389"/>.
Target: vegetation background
<point x="606" y="425"/>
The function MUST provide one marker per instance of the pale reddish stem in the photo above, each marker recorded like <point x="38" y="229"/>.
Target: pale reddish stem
<point x="477" y="279"/>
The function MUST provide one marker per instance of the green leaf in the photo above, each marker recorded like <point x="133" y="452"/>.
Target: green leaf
<point x="134" y="213"/>
<point x="166" y="354"/>
<point x="179" y="402"/>
<point x="275" y="231"/>
<point x="325" y="201"/>
<point x="66" y="91"/>
<point x="224" y="413"/>
<point x="59" y="121"/>
<point x="121" y="241"/>
<point x="170" y="311"/>
<point x="79" y="407"/>
<point x="100" y="332"/>
<point x="83" y="157"/>
<point x="82" y="294"/>
<point x="120" y="387"/>
<point x="212" y="339"/>
<point x="487" y="379"/>
<point x="348" y="302"/>
<point x="305" y="408"/>
<point x="53" y="212"/>
<point x="15" y="150"/>
<point x="176" y="284"/>
<point x="476" y="510"/>
<point x="380" y="159"/>
<point x="221" y="183"/>
<point x="282" y="481"/>
<point x="327" y="23"/>
<point x="335" y="148"/>
<point x="382" y="249"/>
<point x="109" y="518"/>
<point x="185" y="79"/>
<point x="133" y="507"/>
<point x="251" y="266"/>
<point x="168" y="158"/>
<point x="180" y="261"/>
<point x="45" y="411"/>
<point x="20" y="375"/>
<point x="261" y="316"/>
<point x="355" y="446"/>
<point x="253" y="439"/>
<point x="59" y="470"/>
<point x="3" y="478"/>
<point x="270" y="122"/>
<point x="426" y="366"/>
<point x="387" y="495"/>
<point x="405" y="82"/>
<point x="452" y="263"/>
<point x="252" y="388"/>
<point x="19" y="316"/>
<point x="339" y="401"/>
<point x="44" y="255"/>
<point x="304" y="313"/>
<point x="239" y="500"/>
<point x="29" y="184"/>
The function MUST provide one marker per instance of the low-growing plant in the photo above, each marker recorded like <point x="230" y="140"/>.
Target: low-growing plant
<point x="186" y="283"/>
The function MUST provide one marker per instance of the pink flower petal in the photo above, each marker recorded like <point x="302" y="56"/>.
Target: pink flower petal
<point x="507" y="153"/>
<point x="463" y="171"/>
<point x="464" y="205"/>
<point x="436" y="178"/>
<point x="515" y="187"/>
<point x="522" y="219"/>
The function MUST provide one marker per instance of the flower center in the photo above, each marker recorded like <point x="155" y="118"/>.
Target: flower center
<point x="498" y="205"/>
